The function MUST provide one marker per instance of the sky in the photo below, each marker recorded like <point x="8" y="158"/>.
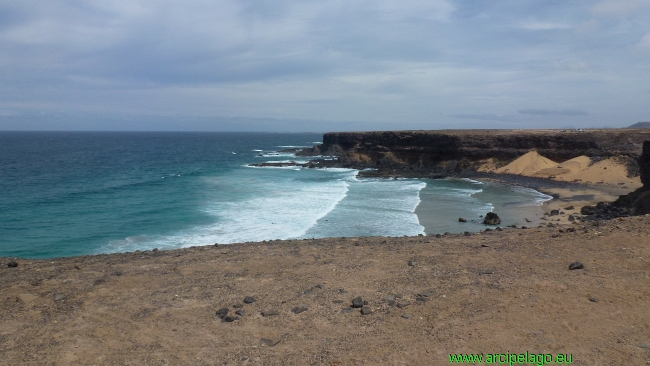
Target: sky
<point x="306" y="65"/>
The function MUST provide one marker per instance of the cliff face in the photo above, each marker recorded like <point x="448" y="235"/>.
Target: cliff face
<point x="638" y="202"/>
<point x="426" y="148"/>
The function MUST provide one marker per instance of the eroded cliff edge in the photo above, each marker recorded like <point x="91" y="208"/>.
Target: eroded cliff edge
<point x="443" y="152"/>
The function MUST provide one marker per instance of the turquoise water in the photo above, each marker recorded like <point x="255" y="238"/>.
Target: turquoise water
<point x="76" y="193"/>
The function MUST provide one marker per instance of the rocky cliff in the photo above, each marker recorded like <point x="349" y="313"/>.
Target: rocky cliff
<point x="457" y="150"/>
<point x="638" y="202"/>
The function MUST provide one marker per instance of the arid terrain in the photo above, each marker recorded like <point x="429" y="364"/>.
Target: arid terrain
<point x="507" y="291"/>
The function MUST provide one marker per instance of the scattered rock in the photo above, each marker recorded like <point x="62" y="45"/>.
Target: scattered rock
<point x="319" y="286"/>
<point x="337" y="301"/>
<point x="389" y="298"/>
<point x="576" y="265"/>
<point x="238" y="306"/>
<point x="221" y="313"/>
<point x="357" y="302"/>
<point x="299" y="309"/>
<point x="491" y="219"/>
<point x="12" y="264"/>
<point x="570" y="208"/>
<point x="270" y="342"/>
<point x="407" y="316"/>
<point x="644" y="345"/>
<point x="593" y="299"/>
<point x="460" y="219"/>
<point x="572" y="218"/>
<point x="228" y="319"/>
<point x="342" y="290"/>
<point x="309" y="292"/>
<point x="240" y="312"/>
<point x="588" y="210"/>
<point x="27" y="298"/>
<point x="117" y="273"/>
<point x="554" y="213"/>
<point x="403" y="304"/>
<point x="365" y="310"/>
<point x="422" y="299"/>
<point x="346" y="310"/>
<point x="411" y="263"/>
<point x="249" y="300"/>
<point x="268" y="313"/>
<point x="59" y="296"/>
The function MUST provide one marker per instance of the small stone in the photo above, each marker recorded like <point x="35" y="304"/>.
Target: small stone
<point x="267" y="313"/>
<point x="58" y="297"/>
<point x="411" y="263"/>
<point x="365" y="310"/>
<point x="238" y="306"/>
<point x="357" y="302"/>
<point x="342" y="290"/>
<point x="593" y="299"/>
<point x="117" y="273"/>
<point x="240" y="312"/>
<point x="572" y="218"/>
<point x="391" y="303"/>
<point x="249" y="300"/>
<point x="644" y="345"/>
<point x="337" y="301"/>
<point x="299" y="309"/>
<point x="424" y="294"/>
<point x="221" y="313"/>
<point x="554" y="213"/>
<point x="460" y="219"/>
<point x="422" y="299"/>
<point x="270" y="342"/>
<point x="346" y="310"/>
<point x="389" y="298"/>
<point x="407" y="316"/>
<point x="27" y="298"/>
<point x="228" y="319"/>
<point x="403" y="304"/>
<point x="309" y="292"/>
<point x="485" y="272"/>
<point x="570" y="208"/>
<point x="319" y="286"/>
<point x="12" y="264"/>
<point x="576" y="265"/>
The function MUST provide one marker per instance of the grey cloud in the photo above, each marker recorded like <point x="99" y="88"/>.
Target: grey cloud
<point x="546" y="112"/>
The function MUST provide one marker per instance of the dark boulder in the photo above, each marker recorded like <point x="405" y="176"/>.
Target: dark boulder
<point x="491" y="219"/>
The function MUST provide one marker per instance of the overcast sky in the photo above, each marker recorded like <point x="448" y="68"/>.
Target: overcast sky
<point x="307" y="65"/>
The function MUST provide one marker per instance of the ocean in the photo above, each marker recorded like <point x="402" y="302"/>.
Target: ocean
<point x="78" y="193"/>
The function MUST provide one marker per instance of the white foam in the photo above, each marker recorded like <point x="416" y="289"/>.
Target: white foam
<point x="276" y="209"/>
<point x="257" y="150"/>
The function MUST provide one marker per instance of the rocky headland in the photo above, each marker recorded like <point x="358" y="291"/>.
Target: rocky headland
<point x="464" y="152"/>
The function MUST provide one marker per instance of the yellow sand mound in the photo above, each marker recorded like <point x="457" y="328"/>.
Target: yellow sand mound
<point x="608" y="171"/>
<point x="570" y="166"/>
<point x="528" y="164"/>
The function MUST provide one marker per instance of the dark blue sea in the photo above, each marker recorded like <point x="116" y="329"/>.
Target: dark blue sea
<point x="77" y="193"/>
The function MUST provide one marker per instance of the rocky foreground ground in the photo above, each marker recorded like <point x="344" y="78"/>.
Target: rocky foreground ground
<point x="507" y="291"/>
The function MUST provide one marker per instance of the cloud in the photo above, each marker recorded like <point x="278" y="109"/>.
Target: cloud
<point x="485" y="117"/>
<point x="546" y="112"/>
<point x="537" y="25"/>
<point x="644" y="43"/>
<point x="373" y="61"/>
<point x="618" y="8"/>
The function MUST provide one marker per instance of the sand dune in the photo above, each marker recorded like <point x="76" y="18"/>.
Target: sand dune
<point x="579" y="169"/>
<point x="528" y="164"/>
